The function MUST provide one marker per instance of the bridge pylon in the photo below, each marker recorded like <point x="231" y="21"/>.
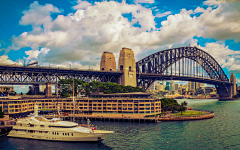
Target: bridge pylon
<point x="36" y="89"/>
<point x="233" y="88"/>
<point x="127" y="64"/>
<point x="108" y="62"/>
<point x="48" y="89"/>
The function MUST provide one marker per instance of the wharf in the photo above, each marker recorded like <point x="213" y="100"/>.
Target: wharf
<point x="109" y="117"/>
<point x="6" y="126"/>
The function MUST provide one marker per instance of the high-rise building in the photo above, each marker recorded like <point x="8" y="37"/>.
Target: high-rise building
<point x="176" y="87"/>
<point x="161" y="88"/>
<point x="197" y="85"/>
<point x="171" y="88"/>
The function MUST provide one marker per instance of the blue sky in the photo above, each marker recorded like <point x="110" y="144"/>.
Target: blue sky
<point x="77" y="32"/>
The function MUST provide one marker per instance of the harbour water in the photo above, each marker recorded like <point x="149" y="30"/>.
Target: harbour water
<point x="220" y="132"/>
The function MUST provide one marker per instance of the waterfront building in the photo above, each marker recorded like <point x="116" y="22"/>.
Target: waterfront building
<point x="7" y="89"/>
<point x="97" y="103"/>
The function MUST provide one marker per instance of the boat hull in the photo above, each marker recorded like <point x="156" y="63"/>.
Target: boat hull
<point x="78" y="137"/>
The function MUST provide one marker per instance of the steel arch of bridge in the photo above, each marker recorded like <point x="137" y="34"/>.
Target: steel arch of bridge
<point x="152" y="68"/>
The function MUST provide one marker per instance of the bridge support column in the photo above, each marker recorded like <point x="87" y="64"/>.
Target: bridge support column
<point x="223" y="91"/>
<point x="233" y="87"/>
<point x="36" y="89"/>
<point x="48" y="89"/>
<point x="56" y="89"/>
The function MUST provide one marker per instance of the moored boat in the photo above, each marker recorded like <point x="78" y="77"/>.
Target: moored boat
<point x="38" y="127"/>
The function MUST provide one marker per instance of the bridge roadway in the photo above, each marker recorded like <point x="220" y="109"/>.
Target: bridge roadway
<point x="181" y="78"/>
<point x="13" y="74"/>
<point x="16" y="74"/>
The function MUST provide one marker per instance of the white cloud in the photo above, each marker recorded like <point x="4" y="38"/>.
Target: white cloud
<point x="163" y="14"/>
<point x="82" y="36"/>
<point x="82" y="5"/>
<point x="143" y="1"/>
<point x="223" y="22"/>
<point x="199" y="10"/>
<point x="238" y="81"/>
<point x="38" y="14"/>
<point x="33" y="54"/>
<point x="75" y="65"/>
<point x="21" y="88"/>
<point x="170" y="46"/>
<point x="76" y="34"/>
<point x="4" y="60"/>
<point x="214" y="2"/>
<point x="226" y="57"/>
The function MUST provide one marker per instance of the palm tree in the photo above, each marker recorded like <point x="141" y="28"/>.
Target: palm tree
<point x="182" y="106"/>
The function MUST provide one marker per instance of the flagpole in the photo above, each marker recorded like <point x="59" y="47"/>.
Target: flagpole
<point x="73" y="104"/>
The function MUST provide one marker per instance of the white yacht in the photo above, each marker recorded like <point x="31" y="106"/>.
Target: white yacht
<point x="37" y="127"/>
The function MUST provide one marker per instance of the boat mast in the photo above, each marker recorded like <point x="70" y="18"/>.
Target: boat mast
<point x="73" y="104"/>
<point x="58" y="107"/>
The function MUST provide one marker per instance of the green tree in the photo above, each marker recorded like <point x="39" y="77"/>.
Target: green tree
<point x="183" y="106"/>
<point x="167" y="101"/>
<point x="1" y="113"/>
<point x="30" y="91"/>
<point x="65" y="87"/>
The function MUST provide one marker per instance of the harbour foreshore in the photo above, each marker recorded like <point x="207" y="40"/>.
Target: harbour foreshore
<point x="182" y="118"/>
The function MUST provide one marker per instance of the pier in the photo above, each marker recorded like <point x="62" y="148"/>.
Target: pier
<point x="109" y="117"/>
<point x="6" y="126"/>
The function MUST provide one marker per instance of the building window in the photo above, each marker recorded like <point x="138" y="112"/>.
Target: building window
<point x="130" y="69"/>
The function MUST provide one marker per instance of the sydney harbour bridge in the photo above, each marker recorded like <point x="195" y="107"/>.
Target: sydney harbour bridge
<point x="183" y="63"/>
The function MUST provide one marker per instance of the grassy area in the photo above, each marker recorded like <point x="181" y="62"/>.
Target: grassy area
<point x="189" y="113"/>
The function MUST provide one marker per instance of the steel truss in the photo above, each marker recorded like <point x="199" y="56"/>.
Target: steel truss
<point x="188" y="61"/>
<point x="42" y="75"/>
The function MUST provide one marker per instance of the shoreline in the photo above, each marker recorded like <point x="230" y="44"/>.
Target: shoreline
<point x="186" y="118"/>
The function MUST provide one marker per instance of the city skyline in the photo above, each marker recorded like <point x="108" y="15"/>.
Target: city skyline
<point x="76" y="33"/>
